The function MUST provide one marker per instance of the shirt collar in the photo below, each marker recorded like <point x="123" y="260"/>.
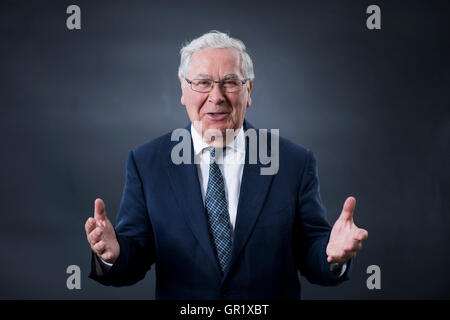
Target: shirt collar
<point x="238" y="144"/>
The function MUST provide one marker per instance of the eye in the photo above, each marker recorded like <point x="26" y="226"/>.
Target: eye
<point x="202" y="82"/>
<point x="231" y="82"/>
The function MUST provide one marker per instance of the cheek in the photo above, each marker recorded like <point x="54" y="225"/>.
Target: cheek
<point x="239" y="103"/>
<point x="194" y="102"/>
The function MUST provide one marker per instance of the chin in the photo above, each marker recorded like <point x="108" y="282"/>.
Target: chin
<point x="209" y="129"/>
<point x="216" y="125"/>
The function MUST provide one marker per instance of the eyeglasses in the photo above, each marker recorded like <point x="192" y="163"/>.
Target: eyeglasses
<point x="206" y="85"/>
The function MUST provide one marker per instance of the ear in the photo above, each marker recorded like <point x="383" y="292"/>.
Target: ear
<point x="249" y="89"/>
<point x="182" y="91"/>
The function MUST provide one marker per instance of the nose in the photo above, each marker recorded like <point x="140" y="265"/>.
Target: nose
<point x="216" y="95"/>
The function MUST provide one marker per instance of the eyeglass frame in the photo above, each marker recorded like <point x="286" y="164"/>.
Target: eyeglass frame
<point x="214" y="82"/>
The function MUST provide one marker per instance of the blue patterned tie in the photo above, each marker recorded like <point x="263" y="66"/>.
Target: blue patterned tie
<point x="217" y="211"/>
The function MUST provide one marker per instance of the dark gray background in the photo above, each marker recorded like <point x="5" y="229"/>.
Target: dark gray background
<point x="372" y="105"/>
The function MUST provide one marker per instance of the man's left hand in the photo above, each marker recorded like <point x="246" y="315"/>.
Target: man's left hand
<point x="346" y="238"/>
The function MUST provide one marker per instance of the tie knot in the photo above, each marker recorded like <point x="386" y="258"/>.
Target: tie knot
<point x="212" y="152"/>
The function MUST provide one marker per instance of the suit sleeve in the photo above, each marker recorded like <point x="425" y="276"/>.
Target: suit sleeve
<point x="134" y="233"/>
<point x="313" y="230"/>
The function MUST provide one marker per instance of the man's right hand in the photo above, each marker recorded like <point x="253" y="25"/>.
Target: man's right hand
<point x="101" y="235"/>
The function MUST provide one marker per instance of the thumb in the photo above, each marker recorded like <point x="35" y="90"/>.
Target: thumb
<point x="99" y="210"/>
<point x="348" y="209"/>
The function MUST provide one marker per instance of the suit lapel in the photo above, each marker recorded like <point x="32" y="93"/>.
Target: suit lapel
<point x="186" y="187"/>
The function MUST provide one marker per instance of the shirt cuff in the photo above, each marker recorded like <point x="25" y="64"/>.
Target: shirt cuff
<point x="338" y="269"/>
<point x="106" y="263"/>
<point x="101" y="266"/>
<point x="343" y="268"/>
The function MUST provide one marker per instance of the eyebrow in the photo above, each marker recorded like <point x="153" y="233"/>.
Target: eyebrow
<point x="231" y="75"/>
<point x="203" y="75"/>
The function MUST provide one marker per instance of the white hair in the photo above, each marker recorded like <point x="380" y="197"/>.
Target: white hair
<point x="215" y="39"/>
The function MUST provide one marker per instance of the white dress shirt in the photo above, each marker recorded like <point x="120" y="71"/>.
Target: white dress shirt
<point x="231" y="166"/>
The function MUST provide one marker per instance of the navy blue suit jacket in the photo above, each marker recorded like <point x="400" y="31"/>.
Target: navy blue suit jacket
<point x="281" y="228"/>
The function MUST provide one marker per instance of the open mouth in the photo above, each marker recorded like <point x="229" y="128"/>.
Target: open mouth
<point x="217" y="116"/>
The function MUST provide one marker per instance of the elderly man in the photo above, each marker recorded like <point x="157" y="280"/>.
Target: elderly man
<point x="220" y="229"/>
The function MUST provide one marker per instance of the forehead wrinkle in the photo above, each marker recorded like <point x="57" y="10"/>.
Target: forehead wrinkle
<point x="203" y="65"/>
<point x="203" y="75"/>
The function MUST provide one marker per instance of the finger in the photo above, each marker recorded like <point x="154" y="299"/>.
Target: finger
<point x="95" y="236"/>
<point x="354" y="246"/>
<point x="343" y="255"/>
<point x="341" y="258"/>
<point x="336" y="256"/>
<point x="361" y="235"/>
<point x="107" y="256"/>
<point x="89" y="225"/>
<point x="337" y="259"/>
<point x="99" y="247"/>
<point x="348" y="209"/>
<point x="99" y="210"/>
